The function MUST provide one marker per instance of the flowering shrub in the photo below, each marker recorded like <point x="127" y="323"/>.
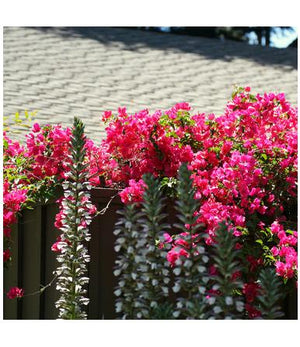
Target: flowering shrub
<point x="33" y="171"/>
<point x="13" y="199"/>
<point x="207" y="283"/>
<point x="243" y="163"/>
<point x="14" y="194"/>
<point x="141" y="143"/>
<point x="134" y="192"/>
<point x="243" y="166"/>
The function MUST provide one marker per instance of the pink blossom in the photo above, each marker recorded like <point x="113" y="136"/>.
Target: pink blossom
<point x="92" y="210"/>
<point x="234" y="159"/>
<point x="15" y="292"/>
<point x="275" y="227"/>
<point x="275" y="251"/>
<point x="134" y="192"/>
<point x="36" y="128"/>
<point x="252" y="311"/>
<point x="236" y="275"/>
<point x="6" y="255"/>
<point x="238" y="246"/>
<point x="212" y="270"/>
<point x="175" y="253"/>
<point x="251" y="290"/>
<point x="167" y="238"/>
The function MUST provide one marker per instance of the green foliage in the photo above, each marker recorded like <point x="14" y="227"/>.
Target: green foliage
<point x="168" y="186"/>
<point x="270" y="294"/>
<point x="10" y="123"/>
<point x="141" y="265"/>
<point x="127" y="246"/>
<point x="74" y="255"/>
<point x="182" y="119"/>
<point x="144" y="280"/>
<point x="171" y="125"/>
<point x="15" y="168"/>
<point x="154" y="266"/>
<point x="226" y="258"/>
<point x="186" y="204"/>
<point x="191" y="275"/>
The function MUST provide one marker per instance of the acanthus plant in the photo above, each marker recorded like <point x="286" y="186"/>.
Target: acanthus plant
<point x="75" y="216"/>
<point x="33" y="172"/>
<point x="208" y="280"/>
<point x="141" y="267"/>
<point x="188" y="256"/>
<point x="127" y="305"/>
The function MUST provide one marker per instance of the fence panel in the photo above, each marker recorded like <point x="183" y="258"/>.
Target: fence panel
<point x="49" y="297"/>
<point x="30" y="261"/>
<point x="102" y="253"/>
<point x="10" y="278"/>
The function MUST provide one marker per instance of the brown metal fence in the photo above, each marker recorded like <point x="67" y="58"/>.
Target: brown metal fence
<point x="34" y="262"/>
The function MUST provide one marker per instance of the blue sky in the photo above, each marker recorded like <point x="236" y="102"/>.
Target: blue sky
<point x="281" y="39"/>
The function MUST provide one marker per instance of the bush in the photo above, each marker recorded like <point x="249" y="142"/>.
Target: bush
<point x="208" y="284"/>
<point x="243" y="167"/>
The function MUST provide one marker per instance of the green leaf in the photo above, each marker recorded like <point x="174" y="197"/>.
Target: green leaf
<point x="264" y="156"/>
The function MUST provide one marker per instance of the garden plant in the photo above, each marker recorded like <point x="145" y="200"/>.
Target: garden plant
<point x="208" y="284"/>
<point x="236" y="204"/>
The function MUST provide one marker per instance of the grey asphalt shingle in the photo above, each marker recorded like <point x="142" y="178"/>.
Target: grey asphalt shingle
<point x="63" y="72"/>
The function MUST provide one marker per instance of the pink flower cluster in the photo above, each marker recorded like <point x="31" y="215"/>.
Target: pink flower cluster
<point x="285" y="253"/>
<point x="48" y="146"/>
<point x="43" y="159"/>
<point x="243" y="163"/>
<point x="13" y="198"/>
<point x="139" y="143"/>
<point x="15" y="292"/>
<point x="46" y="154"/>
<point x="134" y="192"/>
<point x="180" y="246"/>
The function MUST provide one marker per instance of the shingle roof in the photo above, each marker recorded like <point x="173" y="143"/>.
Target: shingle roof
<point x="66" y="72"/>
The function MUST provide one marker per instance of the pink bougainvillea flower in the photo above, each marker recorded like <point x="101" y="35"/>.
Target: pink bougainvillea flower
<point x="236" y="275"/>
<point x="134" y="192"/>
<point x="92" y="210"/>
<point x="213" y="270"/>
<point x="175" y="253"/>
<point x="238" y="246"/>
<point x="251" y="290"/>
<point x="6" y="255"/>
<point x="252" y="311"/>
<point x="167" y="238"/>
<point x="15" y="292"/>
<point x="36" y="128"/>
<point x="275" y="251"/>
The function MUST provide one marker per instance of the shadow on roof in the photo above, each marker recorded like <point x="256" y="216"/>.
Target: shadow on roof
<point x="134" y="39"/>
